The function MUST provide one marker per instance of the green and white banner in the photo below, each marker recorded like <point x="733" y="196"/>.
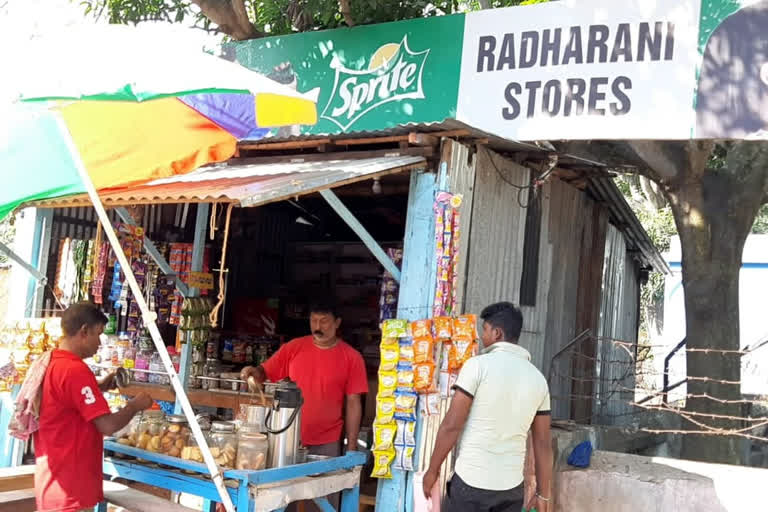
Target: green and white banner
<point x="571" y="69"/>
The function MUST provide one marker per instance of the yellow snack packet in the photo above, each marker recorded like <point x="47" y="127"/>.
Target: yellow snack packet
<point x="385" y="409"/>
<point x="390" y="355"/>
<point x="387" y="383"/>
<point x="382" y="461"/>
<point x="384" y="436"/>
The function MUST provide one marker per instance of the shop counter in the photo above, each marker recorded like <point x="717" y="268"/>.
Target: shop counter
<point x="224" y="399"/>
<point x="265" y="490"/>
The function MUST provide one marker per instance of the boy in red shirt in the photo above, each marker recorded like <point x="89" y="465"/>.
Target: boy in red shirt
<point x="74" y="417"/>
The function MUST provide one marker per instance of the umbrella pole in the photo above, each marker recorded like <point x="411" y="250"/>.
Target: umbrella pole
<point x="148" y="316"/>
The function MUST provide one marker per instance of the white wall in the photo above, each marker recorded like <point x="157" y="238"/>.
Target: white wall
<point x="753" y="285"/>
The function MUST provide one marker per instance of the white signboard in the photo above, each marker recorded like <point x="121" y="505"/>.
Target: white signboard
<point x="582" y="69"/>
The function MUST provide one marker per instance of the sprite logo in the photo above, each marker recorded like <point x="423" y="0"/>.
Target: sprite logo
<point x="394" y="73"/>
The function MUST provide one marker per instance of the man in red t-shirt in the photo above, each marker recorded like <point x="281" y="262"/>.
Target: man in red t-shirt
<point x="331" y="376"/>
<point x="74" y="417"/>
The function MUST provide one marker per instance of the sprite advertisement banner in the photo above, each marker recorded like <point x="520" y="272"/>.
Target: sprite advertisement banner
<point x="568" y="69"/>
<point x="370" y="78"/>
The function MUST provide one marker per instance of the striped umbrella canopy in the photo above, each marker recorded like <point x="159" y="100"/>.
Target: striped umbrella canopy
<point x="109" y="106"/>
<point x="139" y="103"/>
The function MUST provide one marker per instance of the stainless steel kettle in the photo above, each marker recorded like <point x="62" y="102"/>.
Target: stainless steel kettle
<point x="283" y="424"/>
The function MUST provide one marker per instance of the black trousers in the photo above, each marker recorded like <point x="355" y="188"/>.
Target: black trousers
<point x="462" y="497"/>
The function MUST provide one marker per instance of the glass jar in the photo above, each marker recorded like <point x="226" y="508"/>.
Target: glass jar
<point x="252" y="448"/>
<point x="150" y="431"/>
<point x="212" y="369"/>
<point x="191" y="450"/>
<point x="174" y="439"/>
<point x="129" y="436"/>
<point x="223" y="443"/>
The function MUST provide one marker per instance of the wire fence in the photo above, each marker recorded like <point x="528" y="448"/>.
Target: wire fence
<point x="603" y="381"/>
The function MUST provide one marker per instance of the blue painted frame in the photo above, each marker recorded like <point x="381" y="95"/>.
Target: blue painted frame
<point x="197" y="482"/>
<point x="417" y="290"/>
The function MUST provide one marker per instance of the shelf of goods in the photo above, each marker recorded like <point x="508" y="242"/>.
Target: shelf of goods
<point x="224" y="399"/>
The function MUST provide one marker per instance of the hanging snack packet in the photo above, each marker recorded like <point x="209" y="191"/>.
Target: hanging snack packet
<point x="421" y="329"/>
<point x="406" y="351"/>
<point x="390" y="355"/>
<point x="405" y="405"/>
<point x="405" y="376"/>
<point x="424" y="374"/>
<point x="404" y="457"/>
<point x="384" y="436"/>
<point x="445" y="353"/>
<point x="394" y="328"/>
<point x="461" y="351"/>
<point x="423" y="350"/>
<point x="385" y="410"/>
<point x="429" y="405"/>
<point x="443" y="327"/>
<point x="387" y="383"/>
<point x="465" y="328"/>
<point x="406" y="432"/>
<point x="382" y="459"/>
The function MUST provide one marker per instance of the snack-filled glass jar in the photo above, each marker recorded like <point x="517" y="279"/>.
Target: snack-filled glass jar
<point x="191" y="450"/>
<point x="130" y="434"/>
<point x="150" y="429"/>
<point x="252" y="448"/>
<point x="223" y="443"/>
<point x="174" y="438"/>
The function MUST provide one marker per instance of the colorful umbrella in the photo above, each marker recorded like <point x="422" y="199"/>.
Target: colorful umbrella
<point x="201" y="106"/>
<point x="57" y="140"/>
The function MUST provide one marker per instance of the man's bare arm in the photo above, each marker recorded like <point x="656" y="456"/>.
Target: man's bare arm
<point x="352" y="418"/>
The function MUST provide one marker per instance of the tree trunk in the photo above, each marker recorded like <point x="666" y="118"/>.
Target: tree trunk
<point x="713" y="217"/>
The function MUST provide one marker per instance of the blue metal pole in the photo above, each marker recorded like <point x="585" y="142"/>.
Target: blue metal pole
<point x="416" y="298"/>
<point x="324" y="505"/>
<point x="41" y="242"/>
<point x="198" y="250"/>
<point x="350" y="499"/>
<point x="360" y="231"/>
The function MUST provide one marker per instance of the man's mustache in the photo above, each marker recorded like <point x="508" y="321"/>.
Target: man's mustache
<point x="318" y="333"/>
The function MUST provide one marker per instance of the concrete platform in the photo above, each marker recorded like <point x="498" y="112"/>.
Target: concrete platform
<point x="619" y="482"/>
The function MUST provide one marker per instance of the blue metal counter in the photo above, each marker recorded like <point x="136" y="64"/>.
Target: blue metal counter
<point x="189" y="477"/>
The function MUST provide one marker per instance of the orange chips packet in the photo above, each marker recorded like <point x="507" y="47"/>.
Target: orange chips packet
<point x="421" y="329"/>
<point x="424" y="374"/>
<point x="460" y="352"/>
<point x="465" y="328"/>
<point x="423" y="350"/>
<point x="443" y="327"/>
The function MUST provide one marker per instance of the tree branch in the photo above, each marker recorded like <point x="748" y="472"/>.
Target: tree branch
<point x="652" y="193"/>
<point x="231" y="17"/>
<point x="346" y="12"/>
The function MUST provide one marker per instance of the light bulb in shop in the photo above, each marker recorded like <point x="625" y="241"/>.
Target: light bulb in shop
<point x="376" y="186"/>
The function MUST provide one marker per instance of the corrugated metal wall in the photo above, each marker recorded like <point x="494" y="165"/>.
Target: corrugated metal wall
<point x="618" y="322"/>
<point x="495" y="253"/>
<point x="571" y="252"/>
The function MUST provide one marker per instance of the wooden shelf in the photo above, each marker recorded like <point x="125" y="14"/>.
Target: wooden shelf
<point x="221" y="399"/>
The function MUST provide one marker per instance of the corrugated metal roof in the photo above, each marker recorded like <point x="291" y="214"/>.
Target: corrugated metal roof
<point x="249" y="184"/>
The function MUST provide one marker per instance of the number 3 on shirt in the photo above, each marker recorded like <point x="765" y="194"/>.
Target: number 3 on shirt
<point x="88" y="394"/>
